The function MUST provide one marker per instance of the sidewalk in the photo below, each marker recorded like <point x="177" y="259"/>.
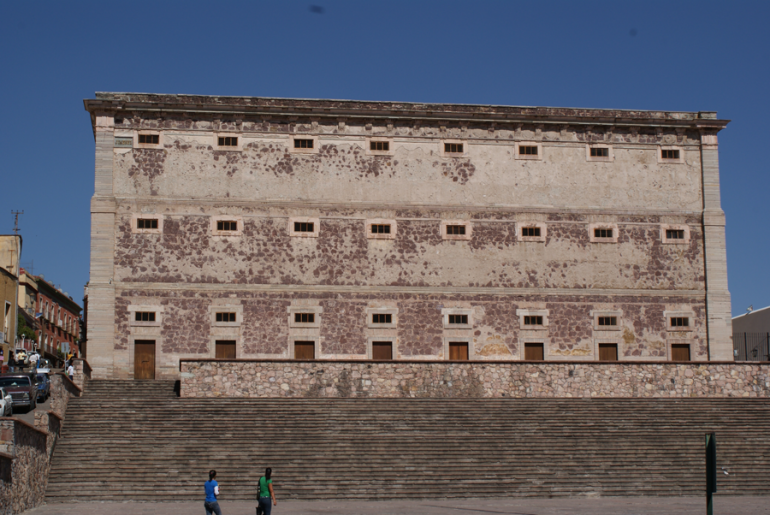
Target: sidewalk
<point x="570" y="506"/>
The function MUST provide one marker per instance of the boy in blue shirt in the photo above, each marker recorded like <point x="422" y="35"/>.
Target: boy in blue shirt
<point x="212" y="491"/>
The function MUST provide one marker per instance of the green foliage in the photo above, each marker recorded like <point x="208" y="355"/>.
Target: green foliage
<point x="22" y="329"/>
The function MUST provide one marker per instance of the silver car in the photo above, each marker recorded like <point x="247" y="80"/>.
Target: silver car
<point x="6" y="403"/>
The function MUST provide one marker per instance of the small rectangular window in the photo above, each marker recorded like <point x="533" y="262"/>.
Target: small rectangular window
<point x="304" y="318"/>
<point x="674" y="234"/>
<point x="600" y="152"/>
<point x="608" y="320"/>
<point x="458" y="319"/>
<point x="530" y="231"/>
<point x="382" y="318"/>
<point x="228" y="141"/>
<point x="147" y="223"/>
<point x="380" y="229"/>
<point x="144" y="316"/>
<point x="528" y="150"/>
<point x="303" y="226"/>
<point x="455" y="229"/>
<point x="533" y="320"/>
<point x="669" y="154"/>
<point x="225" y="317"/>
<point x="379" y="146"/>
<point x="602" y="233"/>
<point x="152" y="139"/>
<point x="303" y="143"/>
<point x="227" y="225"/>
<point x="453" y="148"/>
<point x="680" y="322"/>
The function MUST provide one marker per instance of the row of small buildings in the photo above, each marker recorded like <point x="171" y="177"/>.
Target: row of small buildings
<point x="37" y="315"/>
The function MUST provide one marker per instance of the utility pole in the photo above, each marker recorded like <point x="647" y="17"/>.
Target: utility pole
<point x="16" y="220"/>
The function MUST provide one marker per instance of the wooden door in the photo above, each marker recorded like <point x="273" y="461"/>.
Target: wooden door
<point x="608" y="352"/>
<point x="225" y="349"/>
<point x="458" y="351"/>
<point x="680" y="352"/>
<point x="304" y="350"/>
<point x="533" y="352"/>
<point x="382" y="350"/>
<point x="144" y="359"/>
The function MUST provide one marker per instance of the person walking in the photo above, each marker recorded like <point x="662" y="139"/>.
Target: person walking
<point x="12" y="362"/>
<point x="71" y="372"/>
<point x="266" y="495"/>
<point x="212" y="492"/>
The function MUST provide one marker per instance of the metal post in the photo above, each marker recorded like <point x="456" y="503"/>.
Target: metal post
<point x="745" y="348"/>
<point x="711" y="471"/>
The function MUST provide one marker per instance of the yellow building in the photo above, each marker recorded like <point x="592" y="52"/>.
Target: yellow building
<point x="10" y="253"/>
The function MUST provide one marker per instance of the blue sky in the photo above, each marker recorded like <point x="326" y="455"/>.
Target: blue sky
<point x="685" y="56"/>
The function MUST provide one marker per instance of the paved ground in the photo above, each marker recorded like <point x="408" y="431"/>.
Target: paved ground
<point x="573" y="506"/>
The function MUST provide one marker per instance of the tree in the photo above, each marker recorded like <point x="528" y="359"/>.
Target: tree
<point x="22" y="329"/>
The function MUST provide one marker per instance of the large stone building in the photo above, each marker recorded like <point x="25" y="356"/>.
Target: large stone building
<point x="318" y="229"/>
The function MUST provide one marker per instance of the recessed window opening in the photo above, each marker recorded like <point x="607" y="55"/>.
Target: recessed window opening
<point x="225" y="317"/>
<point x="603" y="233"/>
<point x="455" y="229"/>
<point x="458" y="319"/>
<point x="227" y="225"/>
<point x="674" y="234"/>
<point x="228" y="141"/>
<point x="453" y="148"/>
<point x="533" y="320"/>
<point x="379" y="146"/>
<point x="680" y="322"/>
<point x="380" y="228"/>
<point x="303" y="143"/>
<point x="152" y="139"/>
<point x="527" y="150"/>
<point x="608" y="320"/>
<point x="304" y="318"/>
<point x="144" y="316"/>
<point x="669" y="154"/>
<point x="382" y="318"/>
<point x="530" y="231"/>
<point x="147" y="223"/>
<point x="600" y="152"/>
<point x="303" y="226"/>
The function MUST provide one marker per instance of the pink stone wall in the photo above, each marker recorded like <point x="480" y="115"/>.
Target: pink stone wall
<point x="214" y="378"/>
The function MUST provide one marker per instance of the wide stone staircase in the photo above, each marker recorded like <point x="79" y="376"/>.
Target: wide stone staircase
<point x="136" y="440"/>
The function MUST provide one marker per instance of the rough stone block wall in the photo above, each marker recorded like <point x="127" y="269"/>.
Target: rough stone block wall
<point x="24" y="488"/>
<point x="475" y="379"/>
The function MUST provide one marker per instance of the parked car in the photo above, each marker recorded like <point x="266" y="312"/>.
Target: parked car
<point x="22" y="388"/>
<point x="43" y="387"/>
<point x="6" y="403"/>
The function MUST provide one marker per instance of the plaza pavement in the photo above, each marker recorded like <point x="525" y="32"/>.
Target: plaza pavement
<point x="515" y="506"/>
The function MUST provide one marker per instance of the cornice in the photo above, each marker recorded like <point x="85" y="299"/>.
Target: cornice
<point x="114" y="103"/>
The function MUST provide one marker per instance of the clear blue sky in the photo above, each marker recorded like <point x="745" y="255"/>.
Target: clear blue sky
<point x="686" y="56"/>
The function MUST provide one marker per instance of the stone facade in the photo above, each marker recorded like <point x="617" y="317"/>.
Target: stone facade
<point x="639" y="178"/>
<point x="216" y="378"/>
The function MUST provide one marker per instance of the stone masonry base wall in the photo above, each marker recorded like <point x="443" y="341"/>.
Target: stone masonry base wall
<point x="250" y="378"/>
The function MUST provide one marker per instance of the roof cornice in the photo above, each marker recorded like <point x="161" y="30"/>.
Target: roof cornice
<point x="115" y="103"/>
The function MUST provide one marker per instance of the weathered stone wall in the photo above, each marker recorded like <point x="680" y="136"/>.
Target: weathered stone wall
<point x="24" y="488"/>
<point x="184" y="267"/>
<point x="471" y="379"/>
<point x="62" y="389"/>
<point x="265" y="253"/>
<point x="82" y="372"/>
<point x="495" y="332"/>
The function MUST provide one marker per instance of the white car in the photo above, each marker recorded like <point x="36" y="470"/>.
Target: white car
<point x="6" y="403"/>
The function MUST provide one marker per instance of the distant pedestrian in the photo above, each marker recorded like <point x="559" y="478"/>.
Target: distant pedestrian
<point x="212" y="492"/>
<point x="266" y="496"/>
<point x="12" y="362"/>
<point x="33" y="361"/>
<point x="71" y="372"/>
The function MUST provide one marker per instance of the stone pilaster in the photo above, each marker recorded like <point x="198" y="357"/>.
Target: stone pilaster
<point x="101" y="290"/>
<point x="718" y="306"/>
